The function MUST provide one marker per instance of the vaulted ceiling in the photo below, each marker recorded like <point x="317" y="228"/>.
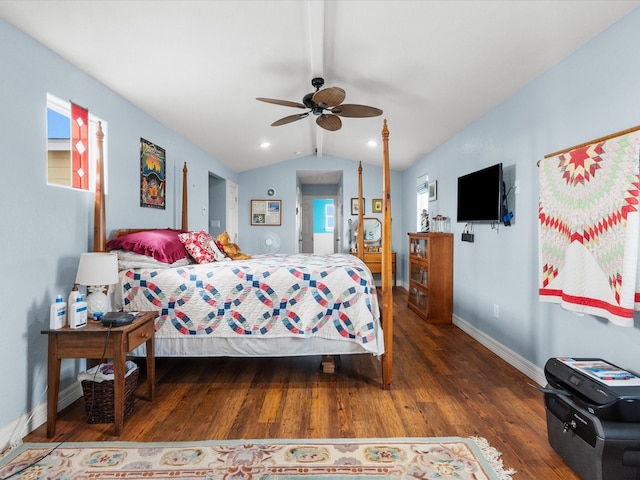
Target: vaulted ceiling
<point x="433" y="67"/>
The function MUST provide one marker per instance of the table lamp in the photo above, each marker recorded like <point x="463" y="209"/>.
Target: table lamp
<point x="97" y="270"/>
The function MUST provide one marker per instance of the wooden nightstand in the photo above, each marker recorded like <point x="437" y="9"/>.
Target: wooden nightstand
<point x="90" y="342"/>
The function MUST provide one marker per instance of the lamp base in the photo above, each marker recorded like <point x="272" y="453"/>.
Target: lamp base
<point x="97" y="302"/>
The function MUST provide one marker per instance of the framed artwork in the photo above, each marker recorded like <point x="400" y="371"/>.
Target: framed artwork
<point x="266" y="212"/>
<point x="433" y="190"/>
<point x="376" y="205"/>
<point x="152" y="175"/>
<point x="354" y="206"/>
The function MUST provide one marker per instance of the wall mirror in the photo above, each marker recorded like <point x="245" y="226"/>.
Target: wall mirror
<point x="372" y="231"/>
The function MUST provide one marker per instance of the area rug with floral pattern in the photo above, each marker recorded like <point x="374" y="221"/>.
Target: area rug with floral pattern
<point x="409" y="458"/>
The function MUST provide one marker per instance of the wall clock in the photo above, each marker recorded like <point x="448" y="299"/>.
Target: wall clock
<point x="271" y="192"/>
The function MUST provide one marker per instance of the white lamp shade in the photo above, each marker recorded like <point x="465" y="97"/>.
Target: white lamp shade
<point x="97" y="268"/>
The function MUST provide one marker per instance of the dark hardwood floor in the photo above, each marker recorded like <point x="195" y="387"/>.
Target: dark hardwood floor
<point x="444" y="384"/>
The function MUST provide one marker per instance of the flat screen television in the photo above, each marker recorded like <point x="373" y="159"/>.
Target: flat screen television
<point x="480" y="195"/>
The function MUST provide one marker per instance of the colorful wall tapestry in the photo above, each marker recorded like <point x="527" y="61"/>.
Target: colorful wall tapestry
<point x="152" y="175"/>
<point x="589" y="228"/>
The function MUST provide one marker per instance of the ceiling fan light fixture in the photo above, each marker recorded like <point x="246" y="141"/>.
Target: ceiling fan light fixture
<point x="307" y="100"/>
<point x="326" y="105"/>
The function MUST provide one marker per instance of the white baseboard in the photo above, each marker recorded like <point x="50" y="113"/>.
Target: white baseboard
<point x="531" y="370"/>
<point x="13" y="433"/>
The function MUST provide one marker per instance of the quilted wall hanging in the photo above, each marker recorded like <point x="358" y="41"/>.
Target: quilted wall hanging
<point x="589" y="228"/>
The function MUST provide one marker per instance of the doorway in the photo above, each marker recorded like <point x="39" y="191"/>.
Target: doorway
<point x="319" y="224"/>
<point x="320" y="227"/>
<point x="223" y="207"/>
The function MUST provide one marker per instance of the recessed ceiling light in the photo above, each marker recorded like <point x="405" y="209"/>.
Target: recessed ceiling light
<point x="265" y="144"/>
<point x="372" y="143"/>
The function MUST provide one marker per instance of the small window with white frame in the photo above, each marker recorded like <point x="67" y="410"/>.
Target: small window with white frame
<point x="72" y="145"/>
<point x="422" y="199"/>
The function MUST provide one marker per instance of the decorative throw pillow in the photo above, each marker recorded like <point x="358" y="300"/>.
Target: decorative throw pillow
<point x="162" y="244"/>
<point x="198" y="244"/>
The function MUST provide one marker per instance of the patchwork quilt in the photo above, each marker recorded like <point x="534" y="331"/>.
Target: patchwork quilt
<point x="300" y="295"/>
<point x="589" y="228"/>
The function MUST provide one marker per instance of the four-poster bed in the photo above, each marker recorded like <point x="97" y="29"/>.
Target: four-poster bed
<point x="303" y="304"/>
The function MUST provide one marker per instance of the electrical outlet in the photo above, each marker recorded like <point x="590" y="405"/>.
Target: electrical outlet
<point x="496" y="310"/>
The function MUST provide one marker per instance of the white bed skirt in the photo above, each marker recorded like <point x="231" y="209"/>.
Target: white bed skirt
<point x="254" y="347"/>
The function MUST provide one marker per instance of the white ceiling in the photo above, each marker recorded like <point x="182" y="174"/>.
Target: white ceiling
<point x="433" y="67"/>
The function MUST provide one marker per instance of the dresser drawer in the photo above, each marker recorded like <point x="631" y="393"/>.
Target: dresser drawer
<point x="140" y="335"/>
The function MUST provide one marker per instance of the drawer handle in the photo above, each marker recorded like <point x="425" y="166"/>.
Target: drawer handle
<point x="144" y="335"/>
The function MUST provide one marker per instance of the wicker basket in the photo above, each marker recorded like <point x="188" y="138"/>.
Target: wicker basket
<point x="99" y="398"/>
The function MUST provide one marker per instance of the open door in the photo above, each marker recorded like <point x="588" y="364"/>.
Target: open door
<point x="319" y="224"/>
<point x="320" y="211"/>
<point x="298" y="220"/>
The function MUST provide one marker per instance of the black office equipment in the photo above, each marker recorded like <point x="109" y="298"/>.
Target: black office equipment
<point x="601" y="388"/>
<point x="593" y="417"/>
<point x="117" y="319"/>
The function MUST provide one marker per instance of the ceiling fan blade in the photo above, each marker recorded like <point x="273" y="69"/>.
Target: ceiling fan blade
<point x="329" y="97"/>
<point x="353" y="110"/>
<point x="329" y="122"/>
<point x="289" y="119"/>
<point x="286" y="103"/>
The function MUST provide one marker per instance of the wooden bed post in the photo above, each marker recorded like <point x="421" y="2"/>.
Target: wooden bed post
<point x="99" y="227"/>
<point x="387" y="294"/>
<point x="360" y="239"/>
<point x="185" y="208"/>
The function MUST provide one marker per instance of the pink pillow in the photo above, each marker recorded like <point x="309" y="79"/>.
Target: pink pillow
<point x="163" y="245"/>
<point x="199" y="246"/>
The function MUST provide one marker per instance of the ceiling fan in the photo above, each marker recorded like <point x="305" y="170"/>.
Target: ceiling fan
<point x="326" y="105"/>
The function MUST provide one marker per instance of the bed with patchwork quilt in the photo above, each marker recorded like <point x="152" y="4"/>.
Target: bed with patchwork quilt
<point x="300" y="304"/>
<point x="213" y="300"/>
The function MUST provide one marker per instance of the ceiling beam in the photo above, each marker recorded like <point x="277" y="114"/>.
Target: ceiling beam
<point x="316" y="53"/>
<point x="316" y="40"/>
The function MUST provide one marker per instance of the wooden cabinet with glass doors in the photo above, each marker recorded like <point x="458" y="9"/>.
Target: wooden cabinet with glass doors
<point x="431" y="276"/>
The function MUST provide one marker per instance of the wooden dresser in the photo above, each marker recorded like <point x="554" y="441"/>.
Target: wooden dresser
<point x="431" y="276"/>
<point x="373" y="260"/>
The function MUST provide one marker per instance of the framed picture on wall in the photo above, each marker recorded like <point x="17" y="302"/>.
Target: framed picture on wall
<point x="433" y="190"/>
<point x="355" y="205"/>
<point x="376" y="205"/>
<point x="152" y="175"/>
<point x="266" y="212"/>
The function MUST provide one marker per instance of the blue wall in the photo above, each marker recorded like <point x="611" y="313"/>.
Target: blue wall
<point x="283" y="178"/>
<point x="592" y="93"/>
